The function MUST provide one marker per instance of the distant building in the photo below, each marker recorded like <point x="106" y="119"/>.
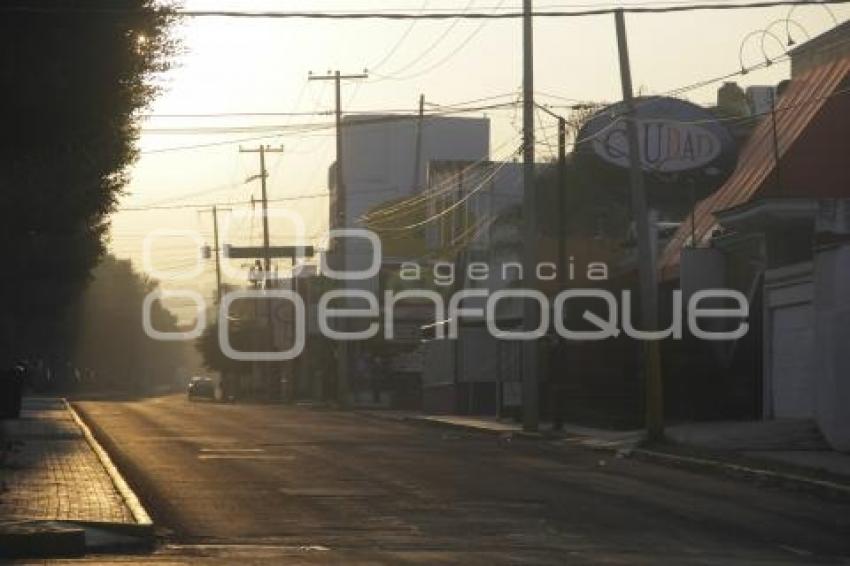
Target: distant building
<point x="477" y="209"/>
<point x="386" y="160"/>
<point x="468" y="214"/>
<point x="380" y="160"/>
<point x="380" y="166"/>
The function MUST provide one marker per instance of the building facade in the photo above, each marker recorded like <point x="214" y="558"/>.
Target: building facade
<point x="778" y="232"/>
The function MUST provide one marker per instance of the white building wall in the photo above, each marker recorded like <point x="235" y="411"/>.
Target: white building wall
<point x="807" y="332"/>
<point x="832" y="338"/>
<point x="379" y="157"/>
<point x="789" y="343"/>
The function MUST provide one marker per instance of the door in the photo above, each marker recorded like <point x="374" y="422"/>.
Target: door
<point x="792" y="363"/>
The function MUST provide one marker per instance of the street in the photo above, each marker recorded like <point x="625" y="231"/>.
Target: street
<point x="270" y="483"/>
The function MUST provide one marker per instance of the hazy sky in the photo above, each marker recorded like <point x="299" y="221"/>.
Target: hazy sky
<point x="252" y="65"/>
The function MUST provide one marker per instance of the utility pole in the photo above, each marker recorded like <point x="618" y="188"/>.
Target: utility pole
<point x="562" y="202"/>
<point x="338" y="218"/>
<point x="216" y="249"/>
<point x="263" y="150"/>
<point x="563" y="271"/>
<point x="417" y="156"/>
<point x="531" y="314"/>
<point x="267" y="261"/>
<point x="776" y="157"/>
<point x="646" y="255"/>
<point x="217" y="256"/>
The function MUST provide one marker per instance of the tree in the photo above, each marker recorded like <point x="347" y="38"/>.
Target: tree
<point x="105" y="338"/>
<point x="244" y="335"/>
<point x="73" y="77"/>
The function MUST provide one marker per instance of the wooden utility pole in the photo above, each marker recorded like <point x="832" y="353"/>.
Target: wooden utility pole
<point x="776" y="157"/>
<point x="217" y="256"/>
<point x="646" y="255"/>
<point x="563" y="269"/>
<point x="216" y="250"/>
<point x="339" y="220"/>
<point x="417" y="155"/>
<point x="263" y="150"/>
<point x="531" y="314"/>
<point x="267" y="258"/>
<point x="562" y="202"/>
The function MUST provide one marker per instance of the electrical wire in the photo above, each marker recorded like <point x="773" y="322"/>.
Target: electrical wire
<point x="457" y="108"/>
<point x="211" y="204"/>
<point x="456" y="204"/>
<point x="440" y="62"/>
<point x="377" y="66"/>
<point x="424" y="53"/>
<point x="617" y="119"/>
<point x="649" y="8"/>
<point x="424" y="197"/>
<point x="444" y="186"/>
<point x="185" y="196"/>
<point x="283" y="129"/>
<point x="208" y="145"/>
<point x="543" y="138"/>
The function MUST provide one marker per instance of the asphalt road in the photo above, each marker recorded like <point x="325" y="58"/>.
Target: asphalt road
<point x="273" y="484"/>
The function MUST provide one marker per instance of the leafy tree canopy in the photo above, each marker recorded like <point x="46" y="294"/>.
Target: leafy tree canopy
<point x="72" y="84"/>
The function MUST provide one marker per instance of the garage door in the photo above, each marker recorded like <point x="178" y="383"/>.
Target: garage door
<point x="793" y="361"/>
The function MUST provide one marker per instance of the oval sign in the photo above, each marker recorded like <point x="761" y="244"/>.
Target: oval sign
<point x="674" y="136"/>
<point x="665" y="146"/>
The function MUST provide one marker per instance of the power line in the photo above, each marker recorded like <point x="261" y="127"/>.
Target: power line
<point x="210" y="144"/>
<point x="424" y="53"/>
<point x="397" y="45"/>
<point x="446" y="185"/>
<point x="657" y="8"/>
<point x="511" y="105"/>
<point x="241" y="114"/>
<point x="483" y="184"/>
<point x="455" y="109"/>
<point x="207" y="130"/>
<point x="371" y="117"/>
<point x="414" y="205"/>
<point x="246" y="114"/>
<point x="193" y="194"/>
<point x="440" y="62"/>
<point x="190" y="206"/>
<point x="417" y="203"/>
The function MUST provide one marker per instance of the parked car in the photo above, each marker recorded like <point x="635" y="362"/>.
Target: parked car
<point x="201" y="388"/>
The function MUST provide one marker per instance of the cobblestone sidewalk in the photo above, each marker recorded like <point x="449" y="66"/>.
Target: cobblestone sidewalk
<point x="51" y="472"/>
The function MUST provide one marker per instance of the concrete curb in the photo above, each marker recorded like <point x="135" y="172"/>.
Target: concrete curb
<point x="446" y="425"/>
<point x="697" y="464"/>
<point x="143" y="528"/>
<point x="436" y="423"/>
<point x="40" y="539"/>
<point x="758" y="474"/>
<point x="491" y="431"/>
